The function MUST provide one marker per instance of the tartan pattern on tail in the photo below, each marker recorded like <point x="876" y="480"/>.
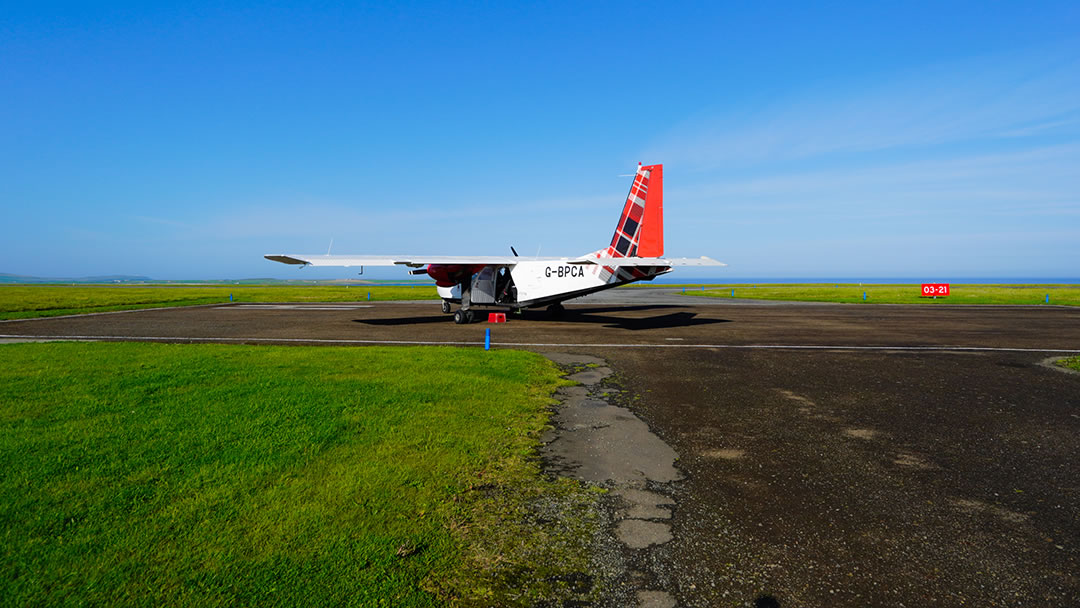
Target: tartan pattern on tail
<point x="625" y="241"/>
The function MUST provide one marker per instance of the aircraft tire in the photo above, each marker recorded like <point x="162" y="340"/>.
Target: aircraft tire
<point x="460" y="317"/>
<point x="556" y="310"/>
<point x="445" y="307"/>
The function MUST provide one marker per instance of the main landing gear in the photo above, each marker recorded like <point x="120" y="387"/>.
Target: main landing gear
<point x="556" y="310"/>
<point x="463" y="315"/>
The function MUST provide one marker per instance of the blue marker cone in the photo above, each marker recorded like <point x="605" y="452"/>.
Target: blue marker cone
<point x="864" y="296"/>
<point x="684" y="290"/>
<point x="369" y="296"/>
<point x="733" y="293"/>
<point x="230" y="297"/>
<point x="1047" y="298"/>
<point x="487" y="339"/>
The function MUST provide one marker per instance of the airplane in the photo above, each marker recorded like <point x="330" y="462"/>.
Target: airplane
<point x="515" y="283"/>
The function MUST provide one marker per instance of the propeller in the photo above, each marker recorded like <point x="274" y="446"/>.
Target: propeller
<point x="514" y="251"/>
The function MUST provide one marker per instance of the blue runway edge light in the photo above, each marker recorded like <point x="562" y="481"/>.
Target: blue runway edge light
<point x="487" y="339"/>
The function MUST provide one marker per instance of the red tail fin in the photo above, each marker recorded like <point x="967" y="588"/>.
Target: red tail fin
<point x="641" y="226"/>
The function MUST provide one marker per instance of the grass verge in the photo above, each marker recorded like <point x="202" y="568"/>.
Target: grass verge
<point x="27" y="301"/>
<point x="897" y="294"/>
<point x="205" y="475"/>
<point x="1071" y="363"/>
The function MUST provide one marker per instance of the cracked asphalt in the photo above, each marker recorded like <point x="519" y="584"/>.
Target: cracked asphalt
<point x="831" y="455"/>
<point x="600" y="443"/>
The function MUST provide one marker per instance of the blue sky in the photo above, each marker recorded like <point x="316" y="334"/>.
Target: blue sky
<point x="847" y="140"/>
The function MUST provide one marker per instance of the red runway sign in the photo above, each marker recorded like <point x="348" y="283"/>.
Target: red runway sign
<point x="935" y="289"/>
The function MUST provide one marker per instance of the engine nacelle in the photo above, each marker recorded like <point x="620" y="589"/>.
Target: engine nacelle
<point x="449" y="275"/>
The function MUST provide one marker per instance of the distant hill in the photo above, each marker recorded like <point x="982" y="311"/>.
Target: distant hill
<point x="113" y="278"/>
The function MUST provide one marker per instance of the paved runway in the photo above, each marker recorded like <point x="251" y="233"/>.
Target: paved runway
<point x="640" y="318"/>
<point x="835" y="455"/>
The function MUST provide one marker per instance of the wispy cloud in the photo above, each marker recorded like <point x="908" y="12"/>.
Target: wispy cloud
<point x="949" y="168"/>
<point x="1041" y="128"/>
<point x="1046" y="172"/>
<point x="1036" y="92"/>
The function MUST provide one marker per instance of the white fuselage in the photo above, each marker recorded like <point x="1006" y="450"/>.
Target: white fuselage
<point x="537" y="283"/>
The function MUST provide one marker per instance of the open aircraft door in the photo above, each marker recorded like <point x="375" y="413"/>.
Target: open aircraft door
<point x="483" y="286"/>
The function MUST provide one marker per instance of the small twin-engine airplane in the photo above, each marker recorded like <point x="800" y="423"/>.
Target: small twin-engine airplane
<point x="635" y="254"/>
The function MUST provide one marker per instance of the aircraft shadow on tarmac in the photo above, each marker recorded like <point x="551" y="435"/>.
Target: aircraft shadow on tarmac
<point x="668" y="321"/>
<point x="580" y="315"/>
<point x="405" y="320"/>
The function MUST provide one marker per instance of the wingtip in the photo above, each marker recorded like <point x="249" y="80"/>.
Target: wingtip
<point x="284" y="259"/>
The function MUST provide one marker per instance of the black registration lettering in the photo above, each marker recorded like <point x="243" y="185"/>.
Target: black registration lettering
<point x="564" y="271"/>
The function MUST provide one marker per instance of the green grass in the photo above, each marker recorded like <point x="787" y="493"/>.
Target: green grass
<point x="1071" y="363"/>
<point x="898" y="294"/>
<point x="25" y="301"/>
<point x="209" y="475"/>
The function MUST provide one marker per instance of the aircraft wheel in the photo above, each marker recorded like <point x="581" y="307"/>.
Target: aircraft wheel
<point x="460" y="317"/>
<point x="445" y="307"/>
<point x="469" y="316"/>
<point x="556" y="310"/>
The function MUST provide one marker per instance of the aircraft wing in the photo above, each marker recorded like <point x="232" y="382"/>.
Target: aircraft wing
<point x="634" y="261"/>
<point x="412" y="261"/>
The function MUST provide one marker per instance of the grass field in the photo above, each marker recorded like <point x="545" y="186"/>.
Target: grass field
<point x="25" y="301"/>
<point x="211" y="475"/>
<point x="897" y="294"/>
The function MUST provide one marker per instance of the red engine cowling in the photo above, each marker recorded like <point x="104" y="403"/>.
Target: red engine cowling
<point x="448" y="275"/>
